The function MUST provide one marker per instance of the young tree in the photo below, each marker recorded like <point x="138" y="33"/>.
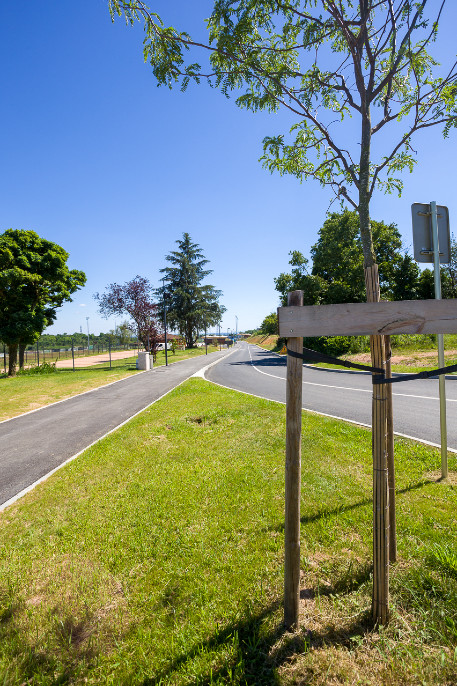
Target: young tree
<point x="322" y="60"/>
<point x="325" y="61"/>
<point x="34" y="282"/>
<point x="192" y="306"/>
<point x="133" y="298"/>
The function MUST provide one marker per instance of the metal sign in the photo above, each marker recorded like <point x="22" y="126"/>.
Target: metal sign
<point x="422" y="233"/>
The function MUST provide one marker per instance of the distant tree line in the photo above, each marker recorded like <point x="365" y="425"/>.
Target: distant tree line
<point x="78" y="339"/>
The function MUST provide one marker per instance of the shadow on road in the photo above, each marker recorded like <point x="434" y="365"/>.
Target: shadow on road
<point x="263" y="360"/>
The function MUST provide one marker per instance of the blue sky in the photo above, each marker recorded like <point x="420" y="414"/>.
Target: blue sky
<point x="98" y="159"/>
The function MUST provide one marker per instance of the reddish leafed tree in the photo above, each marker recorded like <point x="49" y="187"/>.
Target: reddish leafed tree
<point x="133" y="298"/>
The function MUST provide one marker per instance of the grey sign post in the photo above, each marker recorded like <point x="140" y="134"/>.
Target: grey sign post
<point x="432" y="243"/>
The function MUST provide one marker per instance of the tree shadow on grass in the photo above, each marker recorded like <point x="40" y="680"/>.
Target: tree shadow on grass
<point x="71" y="639"/>
<point x="257" y="654"/>
<point x="341" y="509"/>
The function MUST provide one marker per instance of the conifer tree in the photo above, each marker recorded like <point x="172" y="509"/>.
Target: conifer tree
<point x="191" y="305"/>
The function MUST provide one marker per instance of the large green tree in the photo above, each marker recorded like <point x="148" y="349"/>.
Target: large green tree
<point x="34" y="281"/>
<point x="336" y="274"/>
<point x="269" y="326"/>
<point x="191" y="305"/>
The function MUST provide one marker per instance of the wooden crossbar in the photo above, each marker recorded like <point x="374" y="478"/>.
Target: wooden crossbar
<point x="369" y="319"/>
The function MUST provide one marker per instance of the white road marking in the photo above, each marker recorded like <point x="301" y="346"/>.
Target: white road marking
<point x="348" y="388"/>
<point x="330" y="416"/>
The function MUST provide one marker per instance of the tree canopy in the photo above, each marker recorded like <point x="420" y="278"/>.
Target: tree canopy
<point x="191" y="305"/>
<point x="133" y="298"/>
<point x="324" y="61"/>
<point x="34" y="281"/>
<point x="269" y="326"/>
<point x="336" y="275"/>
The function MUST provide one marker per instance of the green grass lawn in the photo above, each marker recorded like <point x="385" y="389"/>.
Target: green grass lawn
<point x="156" y="557"/>
<point x="28" y="392"/>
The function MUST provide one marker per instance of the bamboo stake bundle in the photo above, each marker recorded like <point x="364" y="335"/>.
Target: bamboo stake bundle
<point x="390" y="456"/>
<point x="380" y="600"/>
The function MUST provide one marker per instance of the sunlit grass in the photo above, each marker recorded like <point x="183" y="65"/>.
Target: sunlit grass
<point x="156" y="557"/>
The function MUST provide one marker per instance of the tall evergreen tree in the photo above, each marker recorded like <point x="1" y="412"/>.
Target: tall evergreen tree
<point x="191" y="305"/>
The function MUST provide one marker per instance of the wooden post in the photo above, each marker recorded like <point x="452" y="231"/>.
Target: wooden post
<point x="390" y="456"/>
<point x="293" y="474"/>
<point x="380" y="599"/>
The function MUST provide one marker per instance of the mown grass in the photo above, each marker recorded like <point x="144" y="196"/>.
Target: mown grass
<point x="156" y="557"/>
<point x="24" y="393"/>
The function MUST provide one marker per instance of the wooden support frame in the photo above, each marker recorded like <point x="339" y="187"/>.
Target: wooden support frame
<point x="378" y="319"/>
<point x="293" y="477"/>
<point x="370" y="318"/>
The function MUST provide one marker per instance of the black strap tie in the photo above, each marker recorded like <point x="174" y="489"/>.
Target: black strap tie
<point x="378" y="377"/>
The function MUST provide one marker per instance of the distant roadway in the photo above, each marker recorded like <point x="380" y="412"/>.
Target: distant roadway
<point x="346" y="395"/>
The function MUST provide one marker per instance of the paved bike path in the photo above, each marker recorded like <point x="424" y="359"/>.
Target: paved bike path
<point x="34" y="444"/>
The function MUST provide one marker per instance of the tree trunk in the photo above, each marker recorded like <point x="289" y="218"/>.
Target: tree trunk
<point x="369" y="256"/>
<point x="22" y="347"/>
<point x="380" y="597"/>
<point x="12" y="359"/>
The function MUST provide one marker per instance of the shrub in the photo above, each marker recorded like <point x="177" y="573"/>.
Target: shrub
<point x="45" y="368"/>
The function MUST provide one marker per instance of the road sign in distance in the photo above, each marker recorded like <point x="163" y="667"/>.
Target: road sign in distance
<point x="422" y="233"/>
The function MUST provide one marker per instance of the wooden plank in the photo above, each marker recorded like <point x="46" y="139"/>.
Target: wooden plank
<point x="293" y="477"/>
<point x="369" y="319"/>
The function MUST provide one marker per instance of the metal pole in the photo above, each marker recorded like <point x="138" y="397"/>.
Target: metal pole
<point x="442" y="381"/>
<point x="73" y="354"/>
<point x="165" y="321"/>
<point x="37" y="355"/>
<point x="109" y="345"/>
<point x="88" y="341"/>
<point x="4" y="357"/>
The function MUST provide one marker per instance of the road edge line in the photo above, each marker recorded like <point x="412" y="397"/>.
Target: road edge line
<point x="332" y="416"/>
<point x="91" y="390"/>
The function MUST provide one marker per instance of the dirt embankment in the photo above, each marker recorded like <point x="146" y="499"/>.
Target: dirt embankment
<point x="415" y="358"/>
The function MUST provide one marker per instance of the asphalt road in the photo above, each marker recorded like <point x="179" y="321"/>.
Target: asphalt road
<point x="342" y="394"/>
<point x="34" y="444"/>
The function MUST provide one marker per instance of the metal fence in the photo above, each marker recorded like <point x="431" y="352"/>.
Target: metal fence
<point x="38" y="355"/>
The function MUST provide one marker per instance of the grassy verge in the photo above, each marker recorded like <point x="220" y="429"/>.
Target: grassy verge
<point x="156" y="557"/>
<point x="23" y="393"/>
